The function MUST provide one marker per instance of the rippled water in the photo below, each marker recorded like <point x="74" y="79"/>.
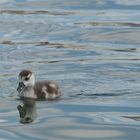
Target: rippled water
<point x="91" y="48"/>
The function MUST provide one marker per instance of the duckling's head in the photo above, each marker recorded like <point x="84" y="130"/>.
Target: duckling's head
<point x="26" y="79"/>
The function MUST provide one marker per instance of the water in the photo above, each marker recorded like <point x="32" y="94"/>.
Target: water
<point x="91" y="48"/>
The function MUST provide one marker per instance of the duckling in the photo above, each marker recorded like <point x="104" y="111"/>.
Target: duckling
<point x="29" y="88"/>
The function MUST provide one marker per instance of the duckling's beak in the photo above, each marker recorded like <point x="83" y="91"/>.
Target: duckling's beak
<point x="21" y="86"/>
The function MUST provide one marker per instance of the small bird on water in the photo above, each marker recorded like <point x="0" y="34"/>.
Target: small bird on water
<point x="29" y="88"/>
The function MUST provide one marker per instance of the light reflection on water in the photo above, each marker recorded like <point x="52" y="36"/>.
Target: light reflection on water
<point x="61" y="121"/>
<point x="91" y="48"/>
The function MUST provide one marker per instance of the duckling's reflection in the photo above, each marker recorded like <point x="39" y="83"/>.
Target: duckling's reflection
<point x="27" y="112"/>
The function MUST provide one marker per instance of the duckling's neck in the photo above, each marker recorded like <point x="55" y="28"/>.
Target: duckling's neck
<point x="29" y="92"/>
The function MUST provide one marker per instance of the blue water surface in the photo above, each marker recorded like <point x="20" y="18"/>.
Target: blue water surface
<point x="91" y="48"/>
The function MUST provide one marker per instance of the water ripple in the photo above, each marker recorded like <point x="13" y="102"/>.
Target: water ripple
<point x="26" y="12"/>
<point x="110" y="24"/>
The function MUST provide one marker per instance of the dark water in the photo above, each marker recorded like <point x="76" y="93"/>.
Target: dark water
<point x="91" y="48"/>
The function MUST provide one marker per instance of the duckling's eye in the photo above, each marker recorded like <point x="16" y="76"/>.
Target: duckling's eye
<point x="26" y="79"/>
